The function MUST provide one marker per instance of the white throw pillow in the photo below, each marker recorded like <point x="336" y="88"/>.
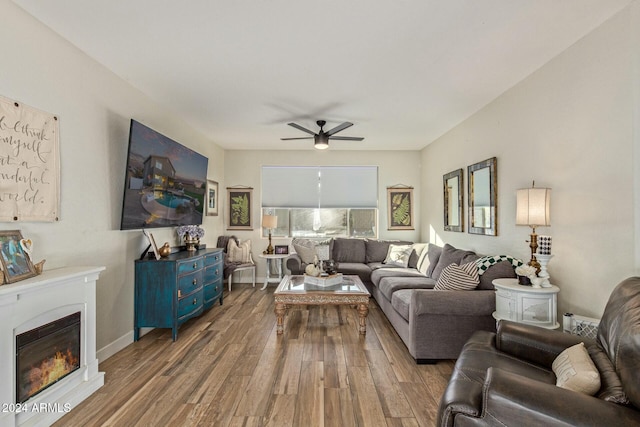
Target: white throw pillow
<point x="239" y="253"/>
<point x="423" y="260"/>
<point x="398" y="255"/>
<point x="456" y="277"/>
<point x="576" y="371"/>
<point x="306" y="249"/>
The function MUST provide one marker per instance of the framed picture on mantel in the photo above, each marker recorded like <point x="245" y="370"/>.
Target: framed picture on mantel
<point x="16" y="263"/>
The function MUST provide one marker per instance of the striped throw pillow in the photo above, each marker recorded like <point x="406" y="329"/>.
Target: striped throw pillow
<point x="456" y="277"/>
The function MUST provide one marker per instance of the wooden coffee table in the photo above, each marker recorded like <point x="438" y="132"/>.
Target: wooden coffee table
<point x="292" y="290"/>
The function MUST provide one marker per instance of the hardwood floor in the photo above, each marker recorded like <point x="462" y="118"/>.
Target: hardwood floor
<point x="229" y="368"/>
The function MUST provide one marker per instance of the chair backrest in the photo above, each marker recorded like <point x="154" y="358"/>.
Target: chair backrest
<point x="223" y="242"/>
<point x="619" y="335"/>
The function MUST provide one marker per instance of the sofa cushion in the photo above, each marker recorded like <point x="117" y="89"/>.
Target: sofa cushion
<point x="348" y="250"/>
<point x="389" y="285"/>
<point x="401" y="301"/>
<point x="458" y="277"/>
<point x="398" y="255"/>
<point x="434" y="253"/>
<point x="359" y="269"/>
<point x="452" y="255"/>
<point x="376" y="250"/>
<point x="386" y="271"/>
<point x="575" y="370"/>
<point x="501" y="269"/>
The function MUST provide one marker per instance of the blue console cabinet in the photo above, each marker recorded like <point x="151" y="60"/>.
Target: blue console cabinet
<point x="172" y="290"/>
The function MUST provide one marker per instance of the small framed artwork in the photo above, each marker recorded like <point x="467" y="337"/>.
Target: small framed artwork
<point x="281" y="249"/>
<point x="400" y="208"/>
<point x="16" y="264"/>
<point x="212" y="198"/>
<point x="239" y="208"/>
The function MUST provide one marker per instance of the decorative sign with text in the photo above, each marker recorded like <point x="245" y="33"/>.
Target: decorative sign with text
<point x="29" y="163"/>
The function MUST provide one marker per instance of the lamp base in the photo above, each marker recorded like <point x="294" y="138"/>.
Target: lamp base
<point x="269" y="250"/>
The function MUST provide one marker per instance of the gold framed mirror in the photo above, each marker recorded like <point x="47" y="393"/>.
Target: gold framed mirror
<point x="483" y="197"/>
<point x="453" y="216"/>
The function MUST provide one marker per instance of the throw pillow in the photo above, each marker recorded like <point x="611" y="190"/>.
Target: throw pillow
<point x="456" y="277"/>
<point x="306" y="249"/>
<point x="398" y="255"/>
<point x="575" y="370"/>
<point x="424" y="261"/>
<point x="418" y="248"/>
<point x="322" y="251"/>
<point x="449" y="256"/>
<point x="239" y="253"/>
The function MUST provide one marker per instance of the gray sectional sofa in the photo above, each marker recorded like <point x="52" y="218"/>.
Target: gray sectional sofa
<point x="433" y="324"/>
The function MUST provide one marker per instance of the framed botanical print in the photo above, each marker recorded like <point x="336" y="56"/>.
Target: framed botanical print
<point x="212" y="198"/>
<point x="16" y="263"/>
<point x="400" y="208"/>
<point x="239" y="208"/>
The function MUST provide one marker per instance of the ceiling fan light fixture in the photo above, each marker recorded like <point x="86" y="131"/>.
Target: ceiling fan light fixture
<point x="321" y="142"/>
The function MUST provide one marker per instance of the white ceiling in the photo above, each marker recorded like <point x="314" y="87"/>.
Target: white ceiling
<point x="403" y="71"/>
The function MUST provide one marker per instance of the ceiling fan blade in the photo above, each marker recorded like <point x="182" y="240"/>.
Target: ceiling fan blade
<point x="291" y="139"/>
<point x="338" y="128"/>
<point x="297" y="126"/>
<point x="347" y="138"/>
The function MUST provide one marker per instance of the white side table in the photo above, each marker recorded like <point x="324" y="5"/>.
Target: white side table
<point x="525" y="304"/>
<point x="278" y="260"/>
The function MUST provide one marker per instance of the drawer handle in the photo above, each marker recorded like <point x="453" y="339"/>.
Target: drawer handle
<point x="195" y="265"/>
<point x="217" y="271"/>
<point x="179" y="293"/>
<point x="216" y="288"/>
<point x="195" y="301"/>
<point x="195" y="282"/>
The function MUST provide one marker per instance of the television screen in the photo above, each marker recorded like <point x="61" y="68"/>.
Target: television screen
<point x="165" y="182"/>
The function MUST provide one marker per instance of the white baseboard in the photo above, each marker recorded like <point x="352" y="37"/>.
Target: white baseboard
<point x="110" y="349"/>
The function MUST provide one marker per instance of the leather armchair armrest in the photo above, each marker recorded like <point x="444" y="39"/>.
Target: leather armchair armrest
<point x="516" y="400"/>
<point x="453" y="303"/>
<point x="532" y="343"/>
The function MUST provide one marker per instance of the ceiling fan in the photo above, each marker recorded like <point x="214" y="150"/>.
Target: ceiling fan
<point x="321" y="139"/>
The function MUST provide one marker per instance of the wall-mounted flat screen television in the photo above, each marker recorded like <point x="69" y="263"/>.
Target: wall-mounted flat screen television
<point x="165" y="182"/>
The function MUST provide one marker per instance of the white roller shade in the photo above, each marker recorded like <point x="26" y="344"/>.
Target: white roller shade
<point x="320" y="186"/>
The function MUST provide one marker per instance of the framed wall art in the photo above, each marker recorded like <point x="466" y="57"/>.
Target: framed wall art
<point x="212" y="198"/>
<point x="16" y="263"/>
<point x="239" y="208"/>
<point x="400" y="208"/>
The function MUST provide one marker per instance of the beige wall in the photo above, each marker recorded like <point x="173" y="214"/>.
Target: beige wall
<point x="394" y="167"/>
<point x="569" y="126"/>
<point x="40" y="69"/>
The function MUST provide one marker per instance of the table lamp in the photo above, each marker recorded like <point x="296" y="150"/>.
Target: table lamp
<point x="269" y="222"/>
<point x="532" y="209"/>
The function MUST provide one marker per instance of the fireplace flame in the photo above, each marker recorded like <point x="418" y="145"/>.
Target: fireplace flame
<point x="51" y="370"/>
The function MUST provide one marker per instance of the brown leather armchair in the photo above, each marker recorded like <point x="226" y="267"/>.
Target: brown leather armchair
<point x="505" y="378"/>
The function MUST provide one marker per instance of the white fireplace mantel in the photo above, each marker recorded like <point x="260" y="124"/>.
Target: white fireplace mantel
<point x="36" y="301"/>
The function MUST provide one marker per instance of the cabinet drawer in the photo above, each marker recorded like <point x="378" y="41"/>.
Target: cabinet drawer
<point x="212" y="291"/>
<point x="213" y="259"/>
<point x="189" y="305"/>
<point x="189" y="283"/>
<point x="190" y="266"/>
<point x="212" y="273"/>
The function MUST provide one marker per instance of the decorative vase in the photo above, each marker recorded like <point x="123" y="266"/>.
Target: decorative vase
<point x="165" y="250"/>
<point x="524" y="280"/>
<point x="191" y="242"/>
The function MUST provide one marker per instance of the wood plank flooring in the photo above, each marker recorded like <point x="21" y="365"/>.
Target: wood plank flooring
<point x="229" y="368"/>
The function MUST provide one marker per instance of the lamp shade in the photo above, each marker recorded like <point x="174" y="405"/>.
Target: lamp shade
<point x="532" y="207"/>
<point x="269" y="221"/>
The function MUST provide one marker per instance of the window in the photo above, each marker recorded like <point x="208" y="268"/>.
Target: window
<point x="321" y="201"/>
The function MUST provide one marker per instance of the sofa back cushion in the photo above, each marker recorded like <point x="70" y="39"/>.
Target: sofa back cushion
<point x="499" y="270"/>
<point x="452" y="255"/>
<point x="348" y="250"/>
